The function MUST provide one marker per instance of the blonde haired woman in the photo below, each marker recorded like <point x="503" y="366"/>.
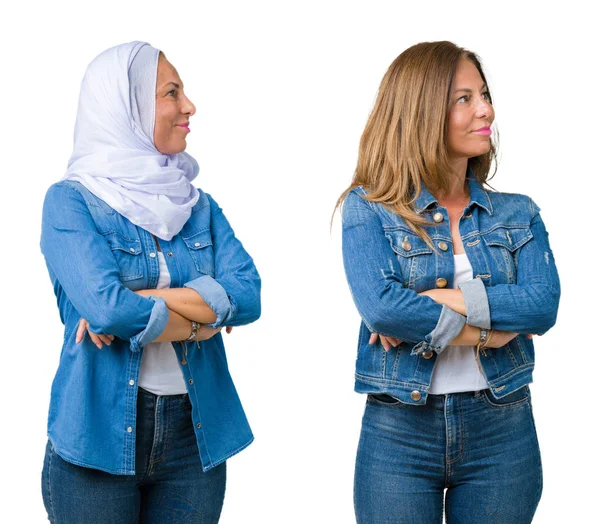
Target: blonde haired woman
<point x="449" y="279"/>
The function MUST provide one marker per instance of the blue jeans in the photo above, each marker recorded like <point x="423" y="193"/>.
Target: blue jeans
<point x="169" y="484"/>
<point x="483" y="451"/>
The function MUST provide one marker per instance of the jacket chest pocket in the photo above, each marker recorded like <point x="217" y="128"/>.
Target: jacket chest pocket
<point x="503" y="243"/>
<point x="200" y="247"/>
<point x="413" y="255"/>
<point x="128" y="254"/>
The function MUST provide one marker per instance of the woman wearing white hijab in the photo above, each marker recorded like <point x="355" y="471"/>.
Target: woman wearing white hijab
<point x="146" y="271"/>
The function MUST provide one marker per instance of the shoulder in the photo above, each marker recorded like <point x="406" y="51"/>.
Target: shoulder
<point x="67" y="194"/>
<point x="512" y="206"/>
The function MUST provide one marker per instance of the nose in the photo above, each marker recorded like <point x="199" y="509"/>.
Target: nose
<point x="188" y="108"/>
<point x="484" y="108"/>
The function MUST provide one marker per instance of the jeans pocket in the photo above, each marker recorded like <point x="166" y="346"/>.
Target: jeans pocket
<point x="516" y="398"/>
<point x="382" y="398"/>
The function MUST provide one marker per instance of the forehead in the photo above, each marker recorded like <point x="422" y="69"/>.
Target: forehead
<point x="466" y="73"/>
<point x="166" y="72"/>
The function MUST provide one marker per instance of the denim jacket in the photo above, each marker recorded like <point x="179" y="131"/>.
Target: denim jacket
<point x="515" y="288"/>
<point x="97" y="259"/>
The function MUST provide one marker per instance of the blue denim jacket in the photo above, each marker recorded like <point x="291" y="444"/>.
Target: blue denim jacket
<point x="96" y="259"/>
<point x="515" y="288"/>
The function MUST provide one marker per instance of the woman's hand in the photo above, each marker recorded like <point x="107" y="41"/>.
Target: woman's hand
<point x="96" y="339"/>
<point x="386" y="342"/>
<point x="497" y="339"/>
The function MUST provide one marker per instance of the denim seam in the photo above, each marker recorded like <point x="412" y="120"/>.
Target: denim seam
<point x="521" y="369"/>
<point x="237" y="450"/>
<point x="378" y="382"/>
<point x="53" y="520"/>
<point x="523" y="355"/>
<point x="504" y="406"/>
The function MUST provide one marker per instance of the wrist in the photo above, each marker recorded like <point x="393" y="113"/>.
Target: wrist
<point x="194" y="331"/>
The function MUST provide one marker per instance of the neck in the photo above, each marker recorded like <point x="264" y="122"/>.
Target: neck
<point x="458" y="189"/>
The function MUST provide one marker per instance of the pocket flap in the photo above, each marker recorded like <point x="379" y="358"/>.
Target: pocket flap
<point x="407" y="244"/>
<point x="198" y="240"/>
<point x="128" y="245"/>
<point x="511" y="238"/>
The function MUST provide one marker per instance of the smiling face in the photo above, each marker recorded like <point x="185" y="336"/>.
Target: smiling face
<point x="173" y="110"/>
<point x="471" y="114"/>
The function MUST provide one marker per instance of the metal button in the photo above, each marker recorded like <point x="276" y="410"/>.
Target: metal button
<point x="198" y="425"/>
<point x="190" y="381"/>
<point x="169" y="254"/>
<point x="427" y="355"/>
<point x="415" y="395"/>
<point x="132" y="382"/>
<point x="406" y="245"/>
<point x="152" y="255"/>
<point x="438" y="217"/>
<point x="197" y="244"/>
<point x="132" y="250"/>
<point x="129" y="429"/>
<point x="443" y="246"/>
<point x="441" y="282"/>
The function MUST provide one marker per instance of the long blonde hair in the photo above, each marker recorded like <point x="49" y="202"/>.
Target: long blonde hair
<point x="404" y="143"/>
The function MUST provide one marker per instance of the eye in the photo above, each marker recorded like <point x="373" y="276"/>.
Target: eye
<point x="487" y="96"/>
<point x="173" y="92"/>
<point x="462" y="99"/>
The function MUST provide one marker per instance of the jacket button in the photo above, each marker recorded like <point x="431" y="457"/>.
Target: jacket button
<point x="152" y="255"/>
<point x="428" y="354"/>
<point x="406" y="245"/>
<point x="191" y="381"/>
<point x="441" y="282"/>
<point x="415" y="395"/>
<point x="438" y="217"/>
<point x="169" y="254"/>
<point x="443" y="246"/>
<point x="198" y="425"/>
<point x="196" y="244"/>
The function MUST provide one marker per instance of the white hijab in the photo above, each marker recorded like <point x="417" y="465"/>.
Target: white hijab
<point x="113" y="152"/>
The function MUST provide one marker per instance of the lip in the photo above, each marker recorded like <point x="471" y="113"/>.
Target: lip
<point x="185" y="126"/>
<point x="487" y="131"/>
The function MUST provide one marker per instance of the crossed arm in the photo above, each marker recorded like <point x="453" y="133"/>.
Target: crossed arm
<point x="184" y="305"/>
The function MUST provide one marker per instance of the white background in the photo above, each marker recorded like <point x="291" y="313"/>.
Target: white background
<point x="283" y="91"/>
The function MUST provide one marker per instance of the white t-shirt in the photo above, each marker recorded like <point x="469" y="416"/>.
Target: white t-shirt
<point x="456" y="369"/>
<point x="160" y="372"/>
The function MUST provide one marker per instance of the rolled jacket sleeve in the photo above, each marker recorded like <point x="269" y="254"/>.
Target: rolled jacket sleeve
<point x="215" y="297"/>
<point x="376" y="283"/>
<point x="476" y="303"/>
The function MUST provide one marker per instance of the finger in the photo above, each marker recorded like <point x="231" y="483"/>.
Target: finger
<point x="373" y="338"/>
<point x="105" y="339"/>
<point x="95" y="339"/>
<point x="228" y="329"/>
<point x="395" y="341"/>
<point x="80" y="330"/>
<point x="529" y="336"/>
<point x="385" y="343"/>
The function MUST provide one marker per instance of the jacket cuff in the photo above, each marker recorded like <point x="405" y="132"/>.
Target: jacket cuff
<point x="159" y="317"/>
<point x="476" y="302"/>
<point x="446" y="330"/>
<point x="215" y="296"/>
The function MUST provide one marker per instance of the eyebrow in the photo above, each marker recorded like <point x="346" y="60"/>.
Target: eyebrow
<point x="466" y="90"/>
<point x="172" y="83"/>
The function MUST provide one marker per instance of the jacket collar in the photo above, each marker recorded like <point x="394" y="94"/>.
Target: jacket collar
<point x="478" y="196"/>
